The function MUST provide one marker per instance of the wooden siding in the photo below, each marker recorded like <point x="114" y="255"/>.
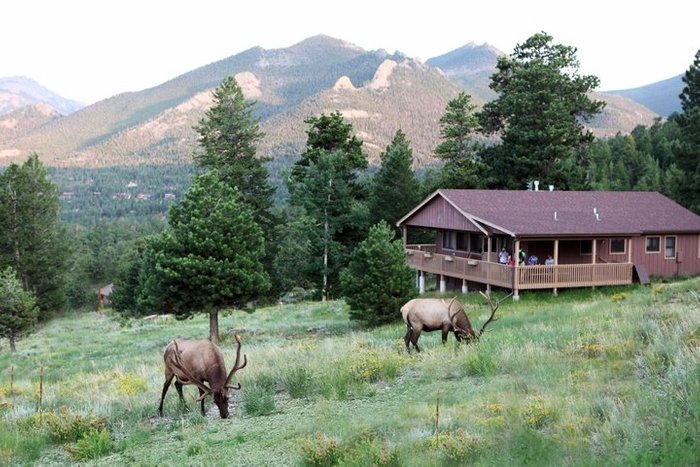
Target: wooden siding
<point x="686" y="262"/>
<point x="439" y="214"/>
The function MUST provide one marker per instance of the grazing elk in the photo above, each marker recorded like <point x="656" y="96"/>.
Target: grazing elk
<point x="431" y="314"/>
<point x="196" y="362"/>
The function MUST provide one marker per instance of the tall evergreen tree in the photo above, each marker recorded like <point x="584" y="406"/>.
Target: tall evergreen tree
<point x="458" y="149"/>
<point x="18" y="310"/>
<point x="687" y="152"/>
<point x="228" y="139"/>
<point x="540" y="111"/>
<point x="33" y="240"/>
<point x="395" y="190"/>
<point x="330" y="133"/>
<point x="377" y="280"/>
<point x="210" y="258"/>
<point x="324" y="182"/>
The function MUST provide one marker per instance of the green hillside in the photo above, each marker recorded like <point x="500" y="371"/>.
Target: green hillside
<point x="605" y="377"/>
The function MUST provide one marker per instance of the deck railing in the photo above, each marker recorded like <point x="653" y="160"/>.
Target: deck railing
<point x="528" y="277"/>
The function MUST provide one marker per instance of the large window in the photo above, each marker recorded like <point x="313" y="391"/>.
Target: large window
<point x="617" y="246"/>
<point x="670" y="251"/>
<point x="653" y="245"/>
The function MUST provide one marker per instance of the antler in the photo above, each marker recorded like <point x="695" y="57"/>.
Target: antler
<point x="236" y="366"/>
<point x="176" y="361"/>
<point x="493" y="308"/>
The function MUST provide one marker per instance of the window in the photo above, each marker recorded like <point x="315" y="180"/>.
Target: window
<point x="670" y="247"/>
<point x="653" y="244"/>
<point x="586" y="247"/>
<point x="461" y="243"/>
<point x="455" y="240"/>
<point x="449" y="240"/>
<point x="617" y="246"/>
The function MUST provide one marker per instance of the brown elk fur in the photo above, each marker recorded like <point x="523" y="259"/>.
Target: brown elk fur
<point x="198" y="362"/>
<point x="431" y="314"/>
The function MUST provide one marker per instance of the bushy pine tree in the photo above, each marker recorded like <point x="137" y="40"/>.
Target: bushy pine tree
<point x="18" y="310"/>
<point x="211" y="257"/>
<point x="377" y="280"/>
<point x="33" y="240"/>
<point x="540" y="112"/>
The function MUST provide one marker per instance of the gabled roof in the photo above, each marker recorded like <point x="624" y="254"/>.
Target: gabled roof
<point x="558" y="213"/>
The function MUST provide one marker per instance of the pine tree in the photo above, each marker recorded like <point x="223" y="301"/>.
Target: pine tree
<point x="395" y="190"/>
<point x="228" y="138"/>
<point x="18" y="310"/>
<point x="539" y="113"/>
<point x="324" y="184"/>
<point x="211" y="257"/>
<point x="33" y="240"/>
<point x="687" y="151"/>
<point x="459" y="150"/>
<point x="377" y="280"/>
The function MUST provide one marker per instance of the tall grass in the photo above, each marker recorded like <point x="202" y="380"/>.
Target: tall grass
<point x="585" y="378"/>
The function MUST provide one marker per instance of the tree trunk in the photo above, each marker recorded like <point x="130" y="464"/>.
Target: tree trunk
<point x="13" y="348"/>
<point x="214" y="326"/>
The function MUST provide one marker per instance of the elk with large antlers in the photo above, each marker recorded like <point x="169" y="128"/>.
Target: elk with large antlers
<point x="196" y="362"/>
<point x="430" y="314"/>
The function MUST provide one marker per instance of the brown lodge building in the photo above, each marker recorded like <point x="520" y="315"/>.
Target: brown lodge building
<point x="592" y="238"/>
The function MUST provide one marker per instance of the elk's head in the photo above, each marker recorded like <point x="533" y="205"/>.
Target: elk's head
<point x="460" y="320"/>
<point x="221" y="397"/>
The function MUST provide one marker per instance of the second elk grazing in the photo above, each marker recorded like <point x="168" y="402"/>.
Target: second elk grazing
<point x="431" y="314"/>
<point x="198" y="362"/>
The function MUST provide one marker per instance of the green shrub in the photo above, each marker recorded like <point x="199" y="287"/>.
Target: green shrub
<point x="95" y="443"/>
<point x="299" y="382"/>
<point x="480" y="364"/>
<point x="259" y="396"/>
<point x="64" y="426"/>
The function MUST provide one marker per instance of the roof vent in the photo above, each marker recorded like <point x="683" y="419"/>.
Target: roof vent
<point x="555" y="216"/>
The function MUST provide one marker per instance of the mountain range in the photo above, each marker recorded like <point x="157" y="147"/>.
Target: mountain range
<point x="377" y="92"/>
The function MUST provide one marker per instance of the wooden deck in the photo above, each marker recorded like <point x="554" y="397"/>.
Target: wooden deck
<point x="520" y="277"/>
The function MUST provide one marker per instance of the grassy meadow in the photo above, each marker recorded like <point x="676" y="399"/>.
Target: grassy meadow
<point x="591" y="377"/>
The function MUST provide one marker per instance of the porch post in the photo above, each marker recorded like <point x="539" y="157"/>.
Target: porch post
<point x="629" y="249"/>
<point x="443" y="284"/>
<point x="595" y="253"/>
<point x="516" y="256"/>
<point x="488" y="268"/>
<point x="465" y="289"/>
<point x="556" y="264"/>
<point x="421" y="283"/>
<point x="404" y="236"/>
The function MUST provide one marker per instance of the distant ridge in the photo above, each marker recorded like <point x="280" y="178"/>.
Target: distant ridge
<point x="17" y="92"/>
<point x="661" y="97"/>
<point x="377" y="92"/>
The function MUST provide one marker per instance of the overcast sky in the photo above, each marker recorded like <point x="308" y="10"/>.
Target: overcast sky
<point x="88" y="50"/>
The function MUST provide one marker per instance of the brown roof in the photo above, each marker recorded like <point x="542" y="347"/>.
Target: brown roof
<point x="564" y="213"/>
